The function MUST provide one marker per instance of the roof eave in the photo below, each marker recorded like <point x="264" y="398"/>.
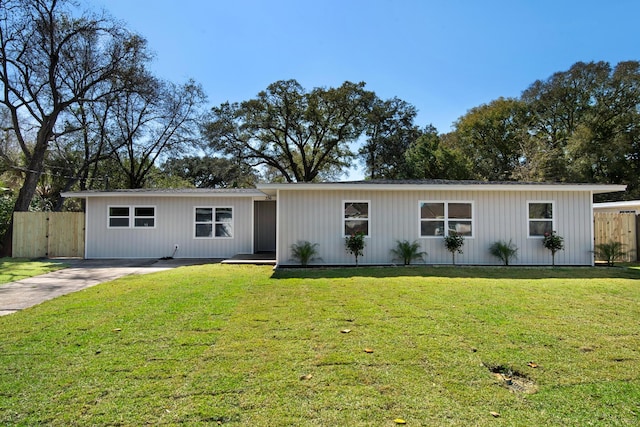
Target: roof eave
<point x="271" y="189"/>
<point x="621" y="204"/>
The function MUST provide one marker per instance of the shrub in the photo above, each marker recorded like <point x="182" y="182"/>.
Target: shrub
<point x="611" y="252"/>
<point x="355" y="245"/>
<point x="454" y="243"/>
<point x="304" y="252"/>
<point x="408" y="252"/>
<point x="504" y="251"/>
<point x="554" y="243"/>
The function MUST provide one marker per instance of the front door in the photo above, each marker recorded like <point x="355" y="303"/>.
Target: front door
<point x="264" y="230"/>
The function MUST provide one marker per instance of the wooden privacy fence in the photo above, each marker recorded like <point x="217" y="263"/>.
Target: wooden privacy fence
<point x="48" y="234"/>
<point x="618" y="227"/>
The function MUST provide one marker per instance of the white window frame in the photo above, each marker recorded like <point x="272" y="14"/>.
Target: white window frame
<point x="131" y="217"/>
<point x="345" y="219"/>
<point x="552" y="220"/>
<point x="134" y="217"/>
<point x="109" y="216"/>
<point x="214" y="222"/>
<point x="446" y="218"/>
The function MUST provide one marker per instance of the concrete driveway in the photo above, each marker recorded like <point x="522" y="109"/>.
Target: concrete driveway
<point x="80" y="274"/>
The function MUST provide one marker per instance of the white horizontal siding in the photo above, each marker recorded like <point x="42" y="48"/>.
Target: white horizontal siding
<point x="316" y="216"/>
<point x="174" y="225"/>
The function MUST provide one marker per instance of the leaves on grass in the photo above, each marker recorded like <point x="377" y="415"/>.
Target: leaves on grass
<point x="532" y="365"/>
<point x="368" y="350"/>
<point x="306" y="377"/>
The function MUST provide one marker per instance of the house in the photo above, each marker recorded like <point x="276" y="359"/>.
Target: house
<point x="220" y="223"/>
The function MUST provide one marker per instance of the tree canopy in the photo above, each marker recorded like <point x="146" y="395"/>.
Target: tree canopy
<point x="210" y="172"/>
<point x="304" y="135"/>
<point x="578" y="125"/>
<point x="390" y="131"/>
<point x="493" y="139"/>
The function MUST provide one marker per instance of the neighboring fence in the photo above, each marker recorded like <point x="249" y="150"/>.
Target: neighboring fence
<point x="48" y="234"/>
<point x="618" y="227"/>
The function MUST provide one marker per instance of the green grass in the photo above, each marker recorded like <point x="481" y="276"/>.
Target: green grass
<point x="12" y="269"/>
<point x="229" y="344"/>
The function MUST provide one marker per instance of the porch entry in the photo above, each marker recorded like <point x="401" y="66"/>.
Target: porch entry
<point x="264" y="226"/>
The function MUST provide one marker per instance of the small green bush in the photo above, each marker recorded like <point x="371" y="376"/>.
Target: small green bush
<point x="454" y="243"/>
<point x="554" y="243"/>
<point x="355" y="245"/>
<point x="504" y="251"/>
<point x="611" y="252"/>
<point x="304" y="252"/>
<point x="406" y="252"/>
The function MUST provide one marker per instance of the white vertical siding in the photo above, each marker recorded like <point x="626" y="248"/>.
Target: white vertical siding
<point x="316" y="216"/>
<point x="174" y="225"/>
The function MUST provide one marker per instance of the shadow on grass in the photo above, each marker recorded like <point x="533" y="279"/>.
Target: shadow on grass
<point x="13" y="269"/>
<point x="487" y="272"/>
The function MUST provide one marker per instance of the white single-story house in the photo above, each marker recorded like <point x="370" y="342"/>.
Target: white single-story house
<point x="221" y="223"/>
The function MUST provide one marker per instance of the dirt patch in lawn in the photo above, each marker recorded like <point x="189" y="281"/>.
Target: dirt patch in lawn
<point x="512" y="379"/>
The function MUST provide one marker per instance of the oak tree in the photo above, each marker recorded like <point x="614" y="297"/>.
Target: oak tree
<point x="302" y="135"/>
<point x="210" y="172"/>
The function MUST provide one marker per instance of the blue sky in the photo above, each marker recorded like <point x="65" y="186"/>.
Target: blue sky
<point x="444" y="56"/>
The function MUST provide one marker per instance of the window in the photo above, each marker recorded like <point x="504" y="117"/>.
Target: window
<point x="356" y="217"/>
<point x="540" y="218"/>
<point x="436" y="217"/>
<point x="224" y="222"/>
<point x="119" y="216"/>
<point x="431" y="219"/>
<point x="143" y="217"/>
<point x="214" y="222"/>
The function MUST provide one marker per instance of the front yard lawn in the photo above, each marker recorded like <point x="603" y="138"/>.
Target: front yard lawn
<point x="241" y="345"/>
<point x="12" y="269"/>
